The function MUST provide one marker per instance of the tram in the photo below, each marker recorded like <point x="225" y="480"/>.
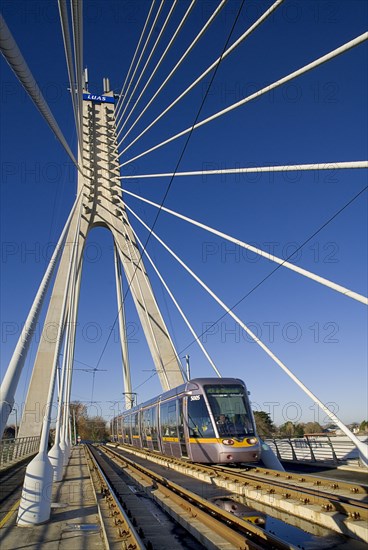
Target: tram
<point x="207" y="420"/>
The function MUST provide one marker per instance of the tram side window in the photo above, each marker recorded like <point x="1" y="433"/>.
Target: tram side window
<point x="199" y="422"/>
<point x="168" y="419"/>
<point x="135" y="425"/>
<point x="153" y="413"/>
<point x="147" y="422"/>
<point x="126" y="424"/>
<point x="154" y="420"/>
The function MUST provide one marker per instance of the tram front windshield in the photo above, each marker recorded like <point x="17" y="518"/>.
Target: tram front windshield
<point x="230" y="408"/>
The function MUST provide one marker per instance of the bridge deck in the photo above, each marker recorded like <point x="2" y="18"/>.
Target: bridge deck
<point x="73" y="507"/>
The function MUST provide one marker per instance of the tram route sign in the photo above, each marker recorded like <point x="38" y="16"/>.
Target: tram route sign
<point x="98" y="98"/>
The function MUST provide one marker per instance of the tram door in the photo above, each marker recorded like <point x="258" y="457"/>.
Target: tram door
<point x="183" y="445"/>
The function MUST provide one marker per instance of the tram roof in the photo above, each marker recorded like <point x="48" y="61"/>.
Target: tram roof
<point x="193" y="384"/>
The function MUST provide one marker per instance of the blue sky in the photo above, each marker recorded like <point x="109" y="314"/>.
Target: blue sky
<point x="319" y="117"/>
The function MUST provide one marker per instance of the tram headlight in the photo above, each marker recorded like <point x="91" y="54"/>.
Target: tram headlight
<point x="251" y="440"/>
<point x="228" y="441"/>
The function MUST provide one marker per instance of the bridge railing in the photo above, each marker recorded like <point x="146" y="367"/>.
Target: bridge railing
<point x="14" y="450"/>
<point x="315" y="448"/>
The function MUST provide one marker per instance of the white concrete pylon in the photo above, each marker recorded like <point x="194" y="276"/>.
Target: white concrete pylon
<point x="35" y="502"/>
<point x="102" y="207"/>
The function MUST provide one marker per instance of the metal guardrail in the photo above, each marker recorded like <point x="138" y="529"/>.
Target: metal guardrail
<point x="15" y="450"/>
<point x="314" y="449"/>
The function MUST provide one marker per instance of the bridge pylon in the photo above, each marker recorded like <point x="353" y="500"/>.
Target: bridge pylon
<point x="101" y="205"/>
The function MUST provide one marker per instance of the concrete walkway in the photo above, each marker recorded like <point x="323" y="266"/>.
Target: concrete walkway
<point x="74" y="523"/>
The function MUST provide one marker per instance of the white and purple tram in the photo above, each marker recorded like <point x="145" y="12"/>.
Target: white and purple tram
<point x="204" y="420"/>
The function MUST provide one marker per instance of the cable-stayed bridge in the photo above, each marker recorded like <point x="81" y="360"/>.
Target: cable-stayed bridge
<point x="118" y="131"/>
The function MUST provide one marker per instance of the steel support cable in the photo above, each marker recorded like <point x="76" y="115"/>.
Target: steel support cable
<point x="153" y="49"/>
<point x="73" y="305"/>
<point x="16" y="364"/>
<point x="184" y="317"/>
<point x="316" y="63"/>
<point x="154" y="298"/>
<point x="16" y="61"/>
<point x="117" y="107"/>
<point x="64" y="21"/>
<point x="61" y="388"/>
<point x="300" y="247"/>
<point x="363" y="448"/>
<point x="345" y="165"/>
<point x="122" y="323"/>
<point x="153" y="336"/>
<point x="172" y="40"/>
<point x="69" y="320"/>
<point x="176" y="167"/>
<point x="173" y="71"/>
<point x="77" y="25"/>
<point x="60" y="331"/>
<point x="339" y="288"/>
<point x="142" y="52"/>
<point x="266" y="14"/>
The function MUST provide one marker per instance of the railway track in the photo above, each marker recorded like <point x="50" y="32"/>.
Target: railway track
<point x="212" y="526"/>
<point x="329" y="495"/>
<point x="338" y="505"/>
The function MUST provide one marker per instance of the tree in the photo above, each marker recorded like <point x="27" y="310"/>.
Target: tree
<point x="96" y="428"/>
<point x="264" y="424"/>
<point x="289" y="429"/>
<point x="363" y="428"/>
<point x="313" y="428"/>
<point x="88" y="428"/>
<point x="79" y="411"/>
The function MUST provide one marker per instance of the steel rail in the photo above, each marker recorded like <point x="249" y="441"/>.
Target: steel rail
<point x="329" y="501"/>
<point x="283" y="485"/>
<point x="126" y="529"/>
<point x="240" y="533"/>
<point x="295" y="478"/>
